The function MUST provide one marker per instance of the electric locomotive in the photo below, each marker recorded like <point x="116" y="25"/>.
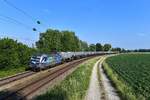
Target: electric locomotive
<point x="44" y="61"/>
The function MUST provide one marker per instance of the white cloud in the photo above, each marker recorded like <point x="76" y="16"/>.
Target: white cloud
<point x="46" y="11"/>
<point x="142" y="34"/>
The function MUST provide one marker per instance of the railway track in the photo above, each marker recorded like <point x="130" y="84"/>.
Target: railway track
<point x="22" y="92"/>
<point x="13" y="78"/>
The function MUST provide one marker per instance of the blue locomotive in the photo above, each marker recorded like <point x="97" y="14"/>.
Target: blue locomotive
<point x="44" y="61"/>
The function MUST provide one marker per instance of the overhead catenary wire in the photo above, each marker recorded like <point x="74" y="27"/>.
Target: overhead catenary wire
<point x="22" y="11"/>
<point x="25" y="13"/>
<point x="6" y="20"/>
<point x="18" y="22"/>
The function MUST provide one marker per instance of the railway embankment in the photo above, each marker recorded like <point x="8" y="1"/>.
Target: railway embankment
<point x="74" y="86"/>
<point x="38" y="83"/>
<point x="10" y="72"/>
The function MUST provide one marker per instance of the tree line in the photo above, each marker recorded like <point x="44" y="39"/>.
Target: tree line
<point x="66" y="41"/>
<point x="122" y="50"/>
<point x="14" y="54"/>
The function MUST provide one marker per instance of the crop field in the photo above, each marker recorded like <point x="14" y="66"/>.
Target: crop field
<point x="134" y="71"/>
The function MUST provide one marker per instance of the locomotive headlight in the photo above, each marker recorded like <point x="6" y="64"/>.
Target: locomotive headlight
<point x="33" y="62"/>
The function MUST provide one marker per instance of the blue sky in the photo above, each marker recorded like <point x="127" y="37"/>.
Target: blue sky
<point x="123" y="23"/>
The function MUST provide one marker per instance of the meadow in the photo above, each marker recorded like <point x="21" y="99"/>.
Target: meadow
<point x="130" y="74"/>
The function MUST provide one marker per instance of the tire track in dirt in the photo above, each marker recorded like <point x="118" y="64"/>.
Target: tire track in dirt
<point x="100" y="87"/>
<point x="93" y="92"/>
<point x="110" y="92"/>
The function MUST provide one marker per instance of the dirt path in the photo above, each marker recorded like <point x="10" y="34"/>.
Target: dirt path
<point x="110" y="91"/>
<point x="100" y="90"/>
<point x="93" y="92"/>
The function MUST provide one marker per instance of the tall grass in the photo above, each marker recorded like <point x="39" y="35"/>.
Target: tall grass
<point x="75" y="85"/>
<point x="11" y="71"/>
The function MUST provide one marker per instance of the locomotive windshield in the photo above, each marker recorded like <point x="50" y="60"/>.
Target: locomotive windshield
<point x="35" y="59"/>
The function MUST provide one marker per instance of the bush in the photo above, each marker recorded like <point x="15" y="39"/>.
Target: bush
<point x="13" y="54"/>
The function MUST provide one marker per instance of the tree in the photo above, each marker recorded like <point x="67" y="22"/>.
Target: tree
<point x="70" y="42"/>
<point x="84" y="46"/>
<point x="77" y="43"/>
<point x="92" y="47"/>
<point x="13" y="54"/>
<point x="59" y="41"/>
<point x="123" y="50"/>
<point x="8" y="54"/>
<point x="107" y="47"/>
<point x="24" y="53"/>
<point x="49" y="41"/>
<point x="116" y="49"/>
<point x="99" y="47"/>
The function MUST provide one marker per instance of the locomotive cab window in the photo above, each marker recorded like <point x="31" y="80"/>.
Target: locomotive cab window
<point x="44" y="59"/>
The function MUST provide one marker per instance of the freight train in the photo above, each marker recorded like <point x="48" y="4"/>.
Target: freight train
<point x="44" y="61"/>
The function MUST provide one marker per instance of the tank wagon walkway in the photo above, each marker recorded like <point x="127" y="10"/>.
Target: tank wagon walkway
<point x="103" y="90"/>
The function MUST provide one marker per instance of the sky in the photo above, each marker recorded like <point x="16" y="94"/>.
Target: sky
<point x="122" y="23"/>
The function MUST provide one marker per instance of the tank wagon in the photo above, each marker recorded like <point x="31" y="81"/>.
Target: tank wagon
<point x="44" y="61"/>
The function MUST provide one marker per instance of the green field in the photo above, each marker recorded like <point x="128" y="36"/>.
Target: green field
<point x="74" y="87"/>
<point x="133" y="70"/>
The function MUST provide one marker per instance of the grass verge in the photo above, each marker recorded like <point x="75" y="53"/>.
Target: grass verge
<point x="12" y="71"/>
<point x="123" y="89"/>
<point x="75" y="85"/>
